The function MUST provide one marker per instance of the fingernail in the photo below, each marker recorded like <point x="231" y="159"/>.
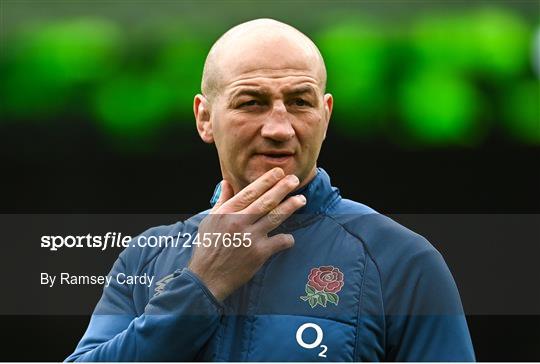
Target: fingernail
<point x="294" y="179"/>
<point x="278" y="173"/>
<point x="302" y="198"/>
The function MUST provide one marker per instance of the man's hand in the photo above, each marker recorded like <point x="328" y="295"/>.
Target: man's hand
<point x="257" y="209"/>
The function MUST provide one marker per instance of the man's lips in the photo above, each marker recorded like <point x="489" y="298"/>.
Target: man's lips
<point x="275" y="156"/>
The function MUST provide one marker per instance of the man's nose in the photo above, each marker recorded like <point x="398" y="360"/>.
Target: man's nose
<point x="277" y="125"/>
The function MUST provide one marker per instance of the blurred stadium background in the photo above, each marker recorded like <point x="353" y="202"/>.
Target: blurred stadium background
<point x="429" y="75"/>
<point x="437" y="111"/>
<point x="445" y="93"/>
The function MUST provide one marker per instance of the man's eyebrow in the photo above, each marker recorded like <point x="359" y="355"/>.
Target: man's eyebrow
<point x="262" y="92"/>
<point x="245" y="91"/>
<point x="303" y="89"/>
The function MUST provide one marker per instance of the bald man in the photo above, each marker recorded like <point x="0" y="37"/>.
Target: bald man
<point x="281" y="268"/>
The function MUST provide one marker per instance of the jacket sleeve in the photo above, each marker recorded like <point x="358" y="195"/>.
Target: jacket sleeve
<point x="425" y="319"/>
<point x="175" y="324"/>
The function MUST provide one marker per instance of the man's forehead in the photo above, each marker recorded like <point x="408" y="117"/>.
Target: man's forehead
<point x="271" y="58"/>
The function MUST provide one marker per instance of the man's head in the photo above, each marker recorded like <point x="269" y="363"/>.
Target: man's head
<point x="263" y="102"/>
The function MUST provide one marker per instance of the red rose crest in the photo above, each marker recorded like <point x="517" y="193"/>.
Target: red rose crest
<point x="323" y="285"/>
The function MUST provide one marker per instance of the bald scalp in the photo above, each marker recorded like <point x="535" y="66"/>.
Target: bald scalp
<point x="265" y="31"/>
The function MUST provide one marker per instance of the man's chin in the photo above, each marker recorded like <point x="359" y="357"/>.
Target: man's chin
<point x="255" y="173"/>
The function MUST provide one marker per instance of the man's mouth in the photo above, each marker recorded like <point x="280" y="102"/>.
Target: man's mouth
<point x="276" y="156"/>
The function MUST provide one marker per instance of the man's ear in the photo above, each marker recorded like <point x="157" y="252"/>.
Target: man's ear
<point x="201" y="109"/>
<point x="328" y="105"/>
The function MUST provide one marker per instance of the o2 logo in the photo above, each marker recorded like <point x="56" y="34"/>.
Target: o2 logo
<point x="318" y="339"/>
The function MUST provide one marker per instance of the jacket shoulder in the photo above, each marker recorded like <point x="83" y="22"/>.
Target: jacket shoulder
<point x="413" y="275"/>
<point x="382" y="237"/>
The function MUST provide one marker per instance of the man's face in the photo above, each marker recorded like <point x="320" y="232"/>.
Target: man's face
<point x="270" y="111"/>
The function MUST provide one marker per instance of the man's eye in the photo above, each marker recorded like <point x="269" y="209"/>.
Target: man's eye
<point x="249" y="103"/>
<point x="301" y="102"/>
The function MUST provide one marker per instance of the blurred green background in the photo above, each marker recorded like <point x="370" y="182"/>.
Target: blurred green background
<point x="421" y="74"/>
<point x="436" y="111"/>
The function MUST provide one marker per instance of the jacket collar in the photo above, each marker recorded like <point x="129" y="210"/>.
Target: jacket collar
<point x="319" y="193"/>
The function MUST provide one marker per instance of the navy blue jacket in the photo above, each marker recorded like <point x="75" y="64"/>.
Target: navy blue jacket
<point x="356" y="286"/>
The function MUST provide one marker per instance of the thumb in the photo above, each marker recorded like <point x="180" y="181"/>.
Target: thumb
<point x="226" y="193"/>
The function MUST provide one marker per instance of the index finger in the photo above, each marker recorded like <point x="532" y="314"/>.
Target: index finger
<point x="253" y="191"/>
